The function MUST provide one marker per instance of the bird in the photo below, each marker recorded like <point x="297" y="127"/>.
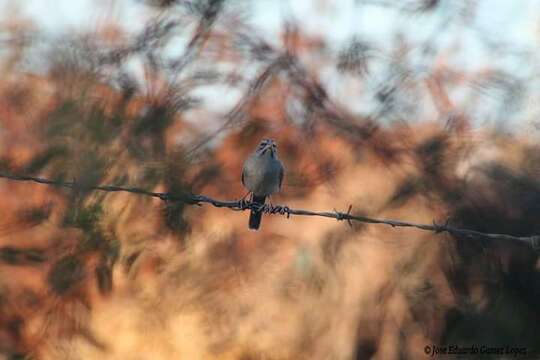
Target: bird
<point x="262" y="175"/>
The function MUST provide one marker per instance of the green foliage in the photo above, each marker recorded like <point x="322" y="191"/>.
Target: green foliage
<point x="65" y="274"/>
<point x="41" y="160"/>
<point x="17" y="256"/>
<point x="84" y="218"/>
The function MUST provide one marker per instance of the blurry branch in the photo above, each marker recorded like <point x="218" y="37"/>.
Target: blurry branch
<point x="156" y="33"/>
<point x="208" y="17"/>
<point x="415" y="6"/>
<point x="533" y="241"/>
<point x="278" y="62"/>
<point x="238" y="113"/>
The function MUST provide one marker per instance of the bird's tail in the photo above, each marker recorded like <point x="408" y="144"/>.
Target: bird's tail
<point x="256" y="216"/>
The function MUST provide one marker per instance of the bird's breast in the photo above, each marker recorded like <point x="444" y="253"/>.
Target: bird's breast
<point x="262" y="175"/>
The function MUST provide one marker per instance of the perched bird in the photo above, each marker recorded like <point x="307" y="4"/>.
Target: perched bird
<point x="262" y="175"/>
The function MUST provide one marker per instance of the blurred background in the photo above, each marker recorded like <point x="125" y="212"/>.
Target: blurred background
<point x="418" y="110"/>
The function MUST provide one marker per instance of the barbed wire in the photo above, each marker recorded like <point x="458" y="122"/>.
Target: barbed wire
<point x="241" y="205"/>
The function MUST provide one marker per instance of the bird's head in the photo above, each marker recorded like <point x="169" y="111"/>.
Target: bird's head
<point x="267" y="146"/>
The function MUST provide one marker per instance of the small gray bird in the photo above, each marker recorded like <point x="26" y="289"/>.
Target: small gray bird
<point x="262" y="175"/>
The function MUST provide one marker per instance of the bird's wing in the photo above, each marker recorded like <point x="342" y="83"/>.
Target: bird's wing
<point x="281" y="174"/>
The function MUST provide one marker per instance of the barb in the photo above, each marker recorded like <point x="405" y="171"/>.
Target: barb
<point x="533" y="241"/>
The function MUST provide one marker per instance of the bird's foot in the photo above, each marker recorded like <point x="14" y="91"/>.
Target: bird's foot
<point x="243" y="203"/>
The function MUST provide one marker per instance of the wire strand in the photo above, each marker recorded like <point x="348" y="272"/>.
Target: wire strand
<point x="533" y="240"/>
